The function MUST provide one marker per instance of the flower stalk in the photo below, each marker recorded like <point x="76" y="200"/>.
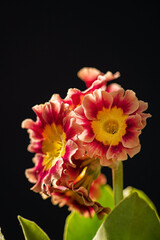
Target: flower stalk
<point x="117" y="181"/>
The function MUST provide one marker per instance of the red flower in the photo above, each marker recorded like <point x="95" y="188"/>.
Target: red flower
<point x="112" y="124"/>
<point x="54" y="139"/>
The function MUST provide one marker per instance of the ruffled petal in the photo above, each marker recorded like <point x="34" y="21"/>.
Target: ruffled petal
<point x="113" y="87"/>
<point x="133" y="151"/>
<point x="125" y="100"/>
<point x="90" y="107"/>
<point x="134" y="123"/>
<point x="35" y="146"/>
<point x="143" y="107"/>
<point x="133" y="130"/>
<point x="130" y="139"/>
<point x="92" y="103"/>
<point x="35" y="128"/>
<point x="71" y="128"/>
<point x="96" y="149"/>
<point x="56" y="97"/>
<point x="49" y="181"/>
<point x="117" y="153"/>
<point x="70" y="150"/>
<point x="87" y="135"/>
<point x="88" y="75"/>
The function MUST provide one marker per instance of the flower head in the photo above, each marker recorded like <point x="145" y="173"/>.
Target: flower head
<point x="73" y="137"/>
<point x="54" y="140"/>
<point x="79" y="199"/>
<point x="112" y="124"/>
<point x="62" y="171"/>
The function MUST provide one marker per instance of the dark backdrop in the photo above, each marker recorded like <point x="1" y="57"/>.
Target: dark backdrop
<point x="42" y="48"/>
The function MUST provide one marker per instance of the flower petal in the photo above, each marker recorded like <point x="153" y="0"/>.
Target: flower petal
<point x="113" y="87"/>
<point x="92" y="103"/>
<point x="90" y="107"/>
<point x="125" y="100"/>
<point x="130" y="139"/>
<point x="87" y="135"/>
<point x="132" y="151"/>
<point x="88" y="75"/>
<point x="117" y="153"/>
<point x="70" y="150"/>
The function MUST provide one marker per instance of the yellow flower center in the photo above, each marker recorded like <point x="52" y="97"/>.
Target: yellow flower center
<point x="110" y="126"/>
<point x="53" y="145"/>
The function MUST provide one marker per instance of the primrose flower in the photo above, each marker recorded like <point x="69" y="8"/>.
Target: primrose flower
<point x="90" y="75"/>
<point x="79" y="200"/>
<point x="112" y="123"/>
<point x="94" y="79"/>
<point x="54" y="141"/>
<point x="79" y="187"/>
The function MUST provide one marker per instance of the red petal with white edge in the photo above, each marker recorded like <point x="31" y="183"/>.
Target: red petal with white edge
<point x="71" y="128"/>
<point x="34" y="128"/>
<point x="88" y="75"/>
<point x="107" y="99"/>
<point x="134" y="123"/>
<point x="74" y="97"/>
<point x="130" y="102"/>
<point x="87" y="135"/>
<point x="133" y="151"/>
<point x="92" y="104"/>
<point x="81" y="149"/>
<point x="49" y="112"/>
<point x="35" y="146"/>
<point x="117" y="152"/>
<point x="80" y="116"/>
<point x="130" y="139"/>
<point x="53" y="175"/>
<point x="125" y="100"/>
<point x="97" y="150"/>
<point x="142" y="107"/>
<point x="31" y="175"/>
<point x="113" y="87"/>
<point x="56" y="97"/>
<point x="89" y="105"/>
<point x="70" y="149"/>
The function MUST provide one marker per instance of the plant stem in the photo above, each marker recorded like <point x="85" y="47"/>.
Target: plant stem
<point x="117" y="181"/>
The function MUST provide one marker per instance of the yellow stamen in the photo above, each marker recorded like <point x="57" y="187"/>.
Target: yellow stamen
<point x="81" y="175"/>
<point x="53" y="145"/>
<point x="110" y="126"/>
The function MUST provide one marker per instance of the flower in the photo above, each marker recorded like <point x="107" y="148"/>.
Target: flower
<point x="90" y="75"/>
<point x="112" y="123"/>
<point x="94" y="79"/>
<point x="54" y="141"/>
<point x="79" y="199"/>
<point x="79" y="188"/>
<point x="62" y="171"/>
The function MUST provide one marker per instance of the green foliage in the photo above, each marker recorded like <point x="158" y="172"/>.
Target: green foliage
<point x="77" y="227"/>
<point x="1" y="235"/>
<point x="132" y="219"/>
<point x="129" y="190"/>
<point x="31" y="230"/>
<point x="135" y="217"/>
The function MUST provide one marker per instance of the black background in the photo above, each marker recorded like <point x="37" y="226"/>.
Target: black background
<point x="42" y="48"/>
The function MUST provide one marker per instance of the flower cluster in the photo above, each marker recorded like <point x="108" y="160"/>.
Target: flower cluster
<point x="72" y="138"/>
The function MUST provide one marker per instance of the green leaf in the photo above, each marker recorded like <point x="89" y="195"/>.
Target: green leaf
<point x="31" y="230"/>
<point x="1" y="235"/>
<point x="129" y="190"/>
<point x="106" y="199"/>
<point x="132" y="219"/>
<point x="78" y="227"/>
